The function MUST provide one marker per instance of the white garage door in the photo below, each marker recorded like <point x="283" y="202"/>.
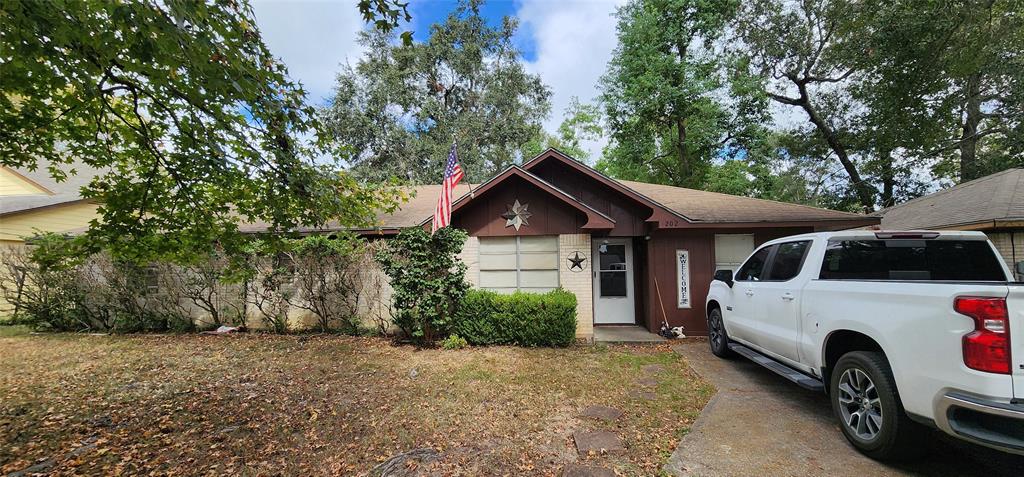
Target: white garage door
<point x="732" y="249"/>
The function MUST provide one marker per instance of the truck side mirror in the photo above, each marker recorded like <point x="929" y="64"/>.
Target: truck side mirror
<point x="724" y="276"/>
<point x="1020" y="267"/>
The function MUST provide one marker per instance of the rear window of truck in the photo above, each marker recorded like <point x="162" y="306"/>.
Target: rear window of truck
<point x="903" y="259"/>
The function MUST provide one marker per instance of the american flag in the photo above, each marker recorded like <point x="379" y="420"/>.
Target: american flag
<point x="452" y="176"/>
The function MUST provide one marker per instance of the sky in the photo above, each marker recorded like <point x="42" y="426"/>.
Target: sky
<point x="568" y="43"/>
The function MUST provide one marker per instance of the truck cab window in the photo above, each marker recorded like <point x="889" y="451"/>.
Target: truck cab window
<point x="751" y="271"/>
<point x="788" y="260"/>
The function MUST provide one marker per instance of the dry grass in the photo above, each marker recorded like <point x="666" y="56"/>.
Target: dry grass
<point x="301" y="405"/>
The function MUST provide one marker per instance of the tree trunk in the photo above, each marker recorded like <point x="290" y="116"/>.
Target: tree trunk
<point x="888" y="179"/>
<point x="970" y="169"/>
<point x="685" y="168"/>
<point x="865" y="194"/>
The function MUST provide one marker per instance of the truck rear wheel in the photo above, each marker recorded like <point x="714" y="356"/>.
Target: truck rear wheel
<point x="717" y="336"/>
<point x="867" y="404"/>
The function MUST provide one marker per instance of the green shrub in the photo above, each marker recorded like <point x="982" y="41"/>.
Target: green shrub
<point x="454" y="342"/>
<point x="428" y="279"/>
<point x="524" y="319"/>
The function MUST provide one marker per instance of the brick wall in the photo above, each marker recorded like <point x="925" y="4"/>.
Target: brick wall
<point x="471" y="257"/>
<point x="579" y="283"/>
<point x="1009" y="245"/>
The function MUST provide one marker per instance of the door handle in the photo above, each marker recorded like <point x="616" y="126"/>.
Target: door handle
<point x="787" y="296"/>
<point x="749" y="292"/>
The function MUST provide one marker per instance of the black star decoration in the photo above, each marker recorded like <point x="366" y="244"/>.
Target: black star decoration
<point x="576" y="261"/>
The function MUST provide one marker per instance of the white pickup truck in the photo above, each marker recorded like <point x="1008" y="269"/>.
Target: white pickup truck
<point x="900" y="329"/>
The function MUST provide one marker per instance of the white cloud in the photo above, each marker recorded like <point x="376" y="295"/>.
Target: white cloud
<point x="313" y="38"/>
<point x="574" y="41"/>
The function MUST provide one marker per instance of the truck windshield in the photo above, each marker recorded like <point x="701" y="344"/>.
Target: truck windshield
<point x="962" y="260"/>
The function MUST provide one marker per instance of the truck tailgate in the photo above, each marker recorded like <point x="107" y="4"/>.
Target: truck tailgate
<point x="1015" y="306"/>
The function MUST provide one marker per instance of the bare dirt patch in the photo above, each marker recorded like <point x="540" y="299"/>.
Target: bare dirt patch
<point x="271" y="405"/>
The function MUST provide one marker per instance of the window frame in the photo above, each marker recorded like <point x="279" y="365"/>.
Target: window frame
<point x="517" y="253"/>
<point x="767" y="263"/>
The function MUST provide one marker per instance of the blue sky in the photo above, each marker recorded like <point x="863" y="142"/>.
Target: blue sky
<point x="426" y="13"/>
<point x="568" y="43"/>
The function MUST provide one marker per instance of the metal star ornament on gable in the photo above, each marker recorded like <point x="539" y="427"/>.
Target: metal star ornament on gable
<point x="517" y="216"/>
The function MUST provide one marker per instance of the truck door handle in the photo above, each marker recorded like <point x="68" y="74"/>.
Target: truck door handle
<point x="749" y="292"/>
<point x="787" y="296"/>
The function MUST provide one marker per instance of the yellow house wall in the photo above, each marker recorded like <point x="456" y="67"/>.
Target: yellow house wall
<point x="60" y="218"/>
<point x="12" y="183"/>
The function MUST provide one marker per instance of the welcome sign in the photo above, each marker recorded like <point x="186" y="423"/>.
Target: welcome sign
<point x="683" y="278"/>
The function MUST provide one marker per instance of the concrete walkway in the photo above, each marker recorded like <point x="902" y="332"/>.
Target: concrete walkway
<point x="625" y="334"/>
<point x="761" y="424"/>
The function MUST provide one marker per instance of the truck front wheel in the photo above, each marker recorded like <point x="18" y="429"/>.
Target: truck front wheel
<point x="867" y="404"/>
<point x="717" y="337"/>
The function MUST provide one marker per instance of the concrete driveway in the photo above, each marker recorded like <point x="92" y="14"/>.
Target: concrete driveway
<point x="761" y="424"/>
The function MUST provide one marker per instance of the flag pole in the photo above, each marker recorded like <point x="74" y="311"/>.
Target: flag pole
<point x="455" y="142"/>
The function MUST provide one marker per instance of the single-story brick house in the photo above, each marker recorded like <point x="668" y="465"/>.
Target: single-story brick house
<point x="633" y="253"/>
<point x="992" y="204"/>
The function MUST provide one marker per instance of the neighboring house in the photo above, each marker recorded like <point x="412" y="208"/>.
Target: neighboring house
<point x="992" y="204"/>
<point x="32" y="201"/>
<point x="632" y="253"/>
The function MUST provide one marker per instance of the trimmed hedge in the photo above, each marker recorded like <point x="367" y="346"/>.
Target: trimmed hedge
<point x="524" y="319"/>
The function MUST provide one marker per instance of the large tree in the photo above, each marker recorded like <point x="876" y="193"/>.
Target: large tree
<point x="580" y="122"/>
<point x="401" y="107"/>
<point x="804" y="49"/>
<point x="951" y="75"/>
<point x="666" y="93"/>
<point x="192" y="122"/>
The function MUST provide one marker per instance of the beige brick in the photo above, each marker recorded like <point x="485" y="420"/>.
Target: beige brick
<point x="470" y="255"/>
<point x="579" y="283"/>
<point x="1010" y="246"/>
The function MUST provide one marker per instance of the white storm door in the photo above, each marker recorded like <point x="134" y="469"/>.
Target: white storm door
<point x="614" y="301"/>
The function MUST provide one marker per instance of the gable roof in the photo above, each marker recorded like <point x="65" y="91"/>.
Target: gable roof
<point x="595" y="219"/>
<point x="981" y="203"/>
<point x="696" y="208"/>
<point x="58" y="193"/>
<point x="659" y="212"/>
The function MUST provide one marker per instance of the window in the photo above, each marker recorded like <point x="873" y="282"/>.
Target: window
<point x="508" y="264"/>
<point x="754" y="266"/>
<point x="788" y="259"/>
<point x="731" y="249"/>
<point x="911" y="260"/>
<point x="613" y="274"/>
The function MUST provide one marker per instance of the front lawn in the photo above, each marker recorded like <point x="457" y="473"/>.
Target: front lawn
<point x="294" y="405"/>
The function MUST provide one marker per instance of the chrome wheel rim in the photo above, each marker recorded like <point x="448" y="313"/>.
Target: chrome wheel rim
<point x="859" y="404"/>
<point x="715" y="331"/>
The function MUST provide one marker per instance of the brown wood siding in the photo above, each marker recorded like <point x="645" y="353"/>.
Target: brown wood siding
<point x="629" y="216"/>
<point x="482" y="216"/>
<point x="661" y="256"/>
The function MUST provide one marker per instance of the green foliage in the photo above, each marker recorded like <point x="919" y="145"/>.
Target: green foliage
<point x="385" y="16"/>
<point x="96" y="293"/>
<point x="454" y="342"/>
<point x="193" y="124"/>
<point x="582" y="122"/>
<point x="401" y="107"/>
<point x="524" y="319"/>
<point x="428" y="279"/>
<point x="327" y="279"/>
<point x="666" y="93"/>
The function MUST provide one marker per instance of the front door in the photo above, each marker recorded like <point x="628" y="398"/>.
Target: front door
<point x="614" y="301"/>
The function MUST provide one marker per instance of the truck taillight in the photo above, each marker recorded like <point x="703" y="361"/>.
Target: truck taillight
<point x="987" y="348"/>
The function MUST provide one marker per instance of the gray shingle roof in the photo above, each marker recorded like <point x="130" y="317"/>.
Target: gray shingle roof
<point x="998" y="197"/>
<point x="60" y="192"/>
